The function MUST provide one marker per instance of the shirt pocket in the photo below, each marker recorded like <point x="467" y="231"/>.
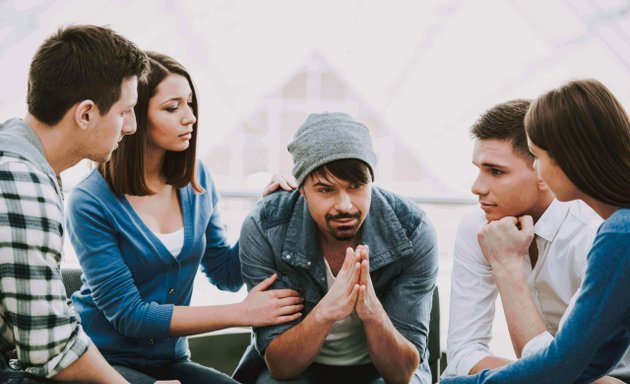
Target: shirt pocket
<point x="307" y="289"/>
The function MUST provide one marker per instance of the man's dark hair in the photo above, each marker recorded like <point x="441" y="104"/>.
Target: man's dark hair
<point x="505" y="121"/>
<point x="350" y="170"/>
<point x="77" y="63"/>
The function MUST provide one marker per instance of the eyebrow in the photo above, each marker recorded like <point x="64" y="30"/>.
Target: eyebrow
<point x="172" y="99"/>
<point x="491" y="165"/>
<point x="321" y="183"/>
<point x="177" y="99"/>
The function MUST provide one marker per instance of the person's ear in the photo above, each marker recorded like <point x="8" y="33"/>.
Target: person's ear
<point x="542" y="186"/>
<point x="85" y="113"/>
<point x="301" y="189"/>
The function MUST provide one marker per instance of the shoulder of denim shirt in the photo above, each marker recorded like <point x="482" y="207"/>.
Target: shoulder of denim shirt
<point x="408" y="213"/>
<point x="277" y="208"/>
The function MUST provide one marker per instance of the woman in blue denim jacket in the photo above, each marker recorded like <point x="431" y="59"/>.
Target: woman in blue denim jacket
<point x="142" y="224"/>
<point x="580" y="136"/>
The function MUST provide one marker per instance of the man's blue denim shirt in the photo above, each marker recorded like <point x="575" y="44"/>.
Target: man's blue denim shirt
<point x="280" y="236"/>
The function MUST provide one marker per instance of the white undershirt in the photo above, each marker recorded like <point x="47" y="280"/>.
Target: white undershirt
<point x="345" y="344"/>
<point x="173" y="241"/>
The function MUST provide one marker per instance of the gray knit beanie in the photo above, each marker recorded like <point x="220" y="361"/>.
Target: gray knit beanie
<point x="327" y="137"/>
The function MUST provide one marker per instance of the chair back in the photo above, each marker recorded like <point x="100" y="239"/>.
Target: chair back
<point x="435" y="350"/>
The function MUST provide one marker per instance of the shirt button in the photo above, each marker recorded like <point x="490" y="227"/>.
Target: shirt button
<point x="151" y="341"/>
<point x="308" y="263"/>
<point x="171" y="291"/>
<point x="287" y="256"/>
<point x="323" y="279"/>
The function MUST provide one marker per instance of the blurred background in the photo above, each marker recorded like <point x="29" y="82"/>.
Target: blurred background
<point x="417" y="73"/>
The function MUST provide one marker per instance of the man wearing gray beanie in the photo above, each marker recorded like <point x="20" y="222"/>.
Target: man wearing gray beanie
<point x="364" y="260"/>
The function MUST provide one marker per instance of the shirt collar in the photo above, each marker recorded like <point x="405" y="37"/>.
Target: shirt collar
<point x="17" y="136"/>
<point x="551" y="220"/>
<point x="382" y="232"/>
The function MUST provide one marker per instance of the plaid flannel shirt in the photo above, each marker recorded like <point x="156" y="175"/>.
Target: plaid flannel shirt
<point x="35" y="319"/>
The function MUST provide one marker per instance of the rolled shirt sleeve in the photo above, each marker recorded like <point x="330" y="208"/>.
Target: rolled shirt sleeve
<point x="537" y="343"/>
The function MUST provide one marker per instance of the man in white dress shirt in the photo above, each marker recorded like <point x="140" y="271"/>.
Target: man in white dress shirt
<point x="508" y="185"/>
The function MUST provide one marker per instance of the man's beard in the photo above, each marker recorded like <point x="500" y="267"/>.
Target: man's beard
<point x="345" y="232"/>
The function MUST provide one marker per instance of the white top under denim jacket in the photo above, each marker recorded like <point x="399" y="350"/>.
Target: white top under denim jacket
<point x="346" y="343"/>
<point x="280" y="236"/>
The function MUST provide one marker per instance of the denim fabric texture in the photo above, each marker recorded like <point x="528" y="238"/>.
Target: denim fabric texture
<point x="319" y="373"/>
<point x="279" y="236"/>
<point x="186" y="371"/>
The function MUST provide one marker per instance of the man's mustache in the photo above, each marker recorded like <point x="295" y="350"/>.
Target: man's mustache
<point x="341" y="216"/>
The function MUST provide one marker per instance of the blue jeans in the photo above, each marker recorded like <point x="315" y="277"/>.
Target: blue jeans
<point x="320" y="373"/>
<point x="185" y="371"/>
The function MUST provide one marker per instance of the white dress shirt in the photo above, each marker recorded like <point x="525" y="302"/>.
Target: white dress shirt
<point x="564" y="234"/>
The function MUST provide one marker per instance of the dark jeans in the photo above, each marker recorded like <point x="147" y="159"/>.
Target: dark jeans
<point x="320" y="373"/>
<point x="185" y="371"/>
<point x="9" y="375"/>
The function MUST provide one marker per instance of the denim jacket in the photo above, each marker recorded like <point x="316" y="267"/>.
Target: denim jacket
<point x="280" y="236"/>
